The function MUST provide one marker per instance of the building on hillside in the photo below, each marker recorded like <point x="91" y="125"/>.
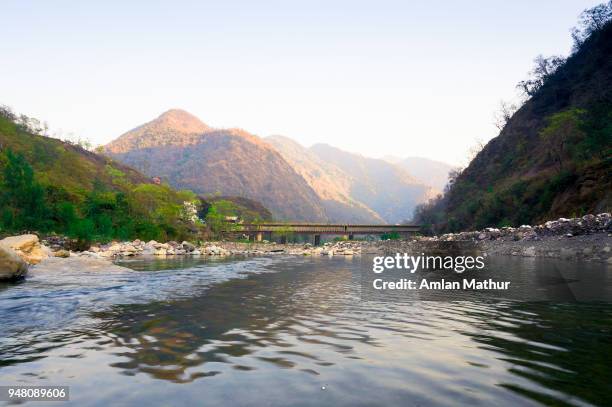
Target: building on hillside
<point x="232" y="219"/>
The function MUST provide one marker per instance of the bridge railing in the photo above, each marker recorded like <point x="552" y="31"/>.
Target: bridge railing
<point x="321" y="228"/>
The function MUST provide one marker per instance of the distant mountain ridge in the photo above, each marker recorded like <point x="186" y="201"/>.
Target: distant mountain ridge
<point x="181" y="149"/>
<point x="331" y="184"/>
<point x="386" y="188"/>
<point x="320" y="184"/>
<point x="430" y="172"/>
<point x="354" y="188"/>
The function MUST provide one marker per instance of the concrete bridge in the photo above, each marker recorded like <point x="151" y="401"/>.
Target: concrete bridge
<point x="256" y="231"/>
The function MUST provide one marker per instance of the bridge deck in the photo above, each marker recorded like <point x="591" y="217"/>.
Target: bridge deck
<point x="324" y="228"/>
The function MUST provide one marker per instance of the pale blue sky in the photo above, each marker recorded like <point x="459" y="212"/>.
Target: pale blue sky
<point x="375" y="77"/>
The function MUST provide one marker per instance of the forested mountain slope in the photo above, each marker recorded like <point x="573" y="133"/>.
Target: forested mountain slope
<point x="553" y="157"/>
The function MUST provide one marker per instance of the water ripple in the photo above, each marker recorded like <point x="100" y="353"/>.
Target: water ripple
<point x="289" y="327"/>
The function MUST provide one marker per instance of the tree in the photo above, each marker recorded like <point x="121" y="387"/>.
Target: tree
<point x="22" y="196"/>
<point x="504" y="113"/>
<point x="591" y="21"/>
<point x="563" y="131"/>
<point x="453" y="175"/>
<point x="544" y="68"/>
<point x="217" y="217"/>
<point x="474" y="150"/>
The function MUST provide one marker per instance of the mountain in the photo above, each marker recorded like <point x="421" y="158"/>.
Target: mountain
<point x="47" y="185"/>
<point x="330" y="183"/>
<point x="174" y="127"/>
<point x="383" y="187"/>
<point x="179" y="148"/>
<point x="429" y="172"/>
<point x="553" y="158"/>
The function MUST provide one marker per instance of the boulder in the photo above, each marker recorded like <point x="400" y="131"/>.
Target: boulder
<point x="107" y="254"/>
<point x="114" y="248"/>
<point x="12" y="266"/>
<point x="148" y="250"/>
<point x="188" y="247"/>
<point x="129" y="248"/>
<point x="61" y="253"/>
<point x="27" y="247"/>
<point x="160" y="252"/>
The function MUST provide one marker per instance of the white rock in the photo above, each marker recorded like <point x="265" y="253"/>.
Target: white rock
<point x="114" y="248"/>
<point x="27" y="247"/>
<point x="12" y="266"/>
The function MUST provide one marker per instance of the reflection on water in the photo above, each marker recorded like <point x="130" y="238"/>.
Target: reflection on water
<point x="292" y="331"/>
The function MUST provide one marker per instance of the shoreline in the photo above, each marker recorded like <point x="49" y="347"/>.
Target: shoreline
<point x="588" y="238"/>
<point x="596" y="247"/>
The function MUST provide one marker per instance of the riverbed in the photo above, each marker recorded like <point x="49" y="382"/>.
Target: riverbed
<point x="288" y="330"/>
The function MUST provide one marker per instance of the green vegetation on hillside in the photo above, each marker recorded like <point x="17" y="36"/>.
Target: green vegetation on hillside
<point x="51" y="186"/>
<point x="553" y="156"/>
<point x="247" y="210"/>
<point x="217" y="216"/>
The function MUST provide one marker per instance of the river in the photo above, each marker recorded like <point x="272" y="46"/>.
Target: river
<point x="282" y="331"/>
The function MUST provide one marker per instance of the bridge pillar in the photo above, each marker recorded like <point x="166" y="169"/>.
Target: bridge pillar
<point x="259" y="236"/>
<point x="317" y="240"/>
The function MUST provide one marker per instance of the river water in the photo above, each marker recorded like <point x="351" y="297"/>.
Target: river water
<point x="296" y="331"/>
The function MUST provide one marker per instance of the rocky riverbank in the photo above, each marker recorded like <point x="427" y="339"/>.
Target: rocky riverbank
<point x="587" y="238"/>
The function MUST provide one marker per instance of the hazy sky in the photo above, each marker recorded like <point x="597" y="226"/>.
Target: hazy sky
<point x="376" y="77"/>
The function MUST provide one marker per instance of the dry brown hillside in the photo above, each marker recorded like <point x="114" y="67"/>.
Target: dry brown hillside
<point x="332" y="185"/>
<point x="181" y="149"/>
